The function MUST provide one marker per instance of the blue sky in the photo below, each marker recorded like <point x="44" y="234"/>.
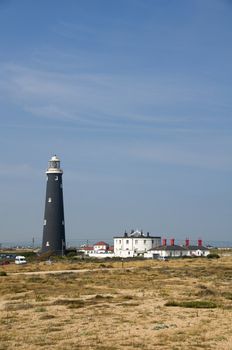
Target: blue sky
<point x="134" y="96"/>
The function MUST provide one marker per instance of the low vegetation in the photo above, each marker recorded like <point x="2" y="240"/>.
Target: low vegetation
<point x="3" y="273"/>
<point x="182" y="304"/>
<point x="197" y="304"/>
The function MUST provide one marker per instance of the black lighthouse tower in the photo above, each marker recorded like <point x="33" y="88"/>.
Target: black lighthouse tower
<point x="53" y="227"/>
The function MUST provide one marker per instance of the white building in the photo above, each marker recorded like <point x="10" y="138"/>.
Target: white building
<point x="98" y="250"/>
<point x="101" y="247"/>
<point x="168" y="251"/>
<point x="196" y="250"/>
<point x="134" y="244"/>
<point x="177" y="251"/>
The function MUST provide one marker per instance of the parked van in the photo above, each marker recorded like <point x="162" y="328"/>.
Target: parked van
<point x="20" y="260"/>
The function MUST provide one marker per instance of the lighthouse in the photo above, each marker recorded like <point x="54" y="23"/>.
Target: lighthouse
<point x="53" y="226"/>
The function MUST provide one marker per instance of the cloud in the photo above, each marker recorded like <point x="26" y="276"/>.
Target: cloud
<point x="173" y="155"/>
<point x="99" y="98"/>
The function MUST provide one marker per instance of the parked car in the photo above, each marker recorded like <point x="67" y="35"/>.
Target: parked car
<point x="20" y="260"/>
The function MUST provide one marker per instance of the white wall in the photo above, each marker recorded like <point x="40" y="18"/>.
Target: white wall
<point x="198" y="252"/>
<point x="170" y="253"/>
<point x="101" y="255"/>
<point x="99" y="247"/>
<point x="133" y="246"/>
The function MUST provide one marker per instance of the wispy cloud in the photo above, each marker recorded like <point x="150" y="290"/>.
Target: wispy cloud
<point x="173" y="155"/>
<point x="107" y="99"/>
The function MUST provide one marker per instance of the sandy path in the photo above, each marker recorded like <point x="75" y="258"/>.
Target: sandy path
<point x="53" y="272"/>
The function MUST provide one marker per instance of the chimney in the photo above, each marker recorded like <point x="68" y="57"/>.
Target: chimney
<point x="187" y="242"/>
<point x="172" y="241"/>
<point x="164" y="241"/>
<point x="148" y="234"/>
<point x="199" y="243"/>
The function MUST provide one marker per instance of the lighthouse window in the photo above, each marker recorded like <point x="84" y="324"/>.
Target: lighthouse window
<point x="49" y="199"/>
<point x="45" y="222"/>
<point x="56" y="178"/>
<point x="62" y="222"/>
<point x="61" y="186"/>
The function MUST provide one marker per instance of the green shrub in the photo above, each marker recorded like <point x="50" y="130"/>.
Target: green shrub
<point x="71" y="255"/>
<point x="3" y="273"/>
<point x="213" y="256"/>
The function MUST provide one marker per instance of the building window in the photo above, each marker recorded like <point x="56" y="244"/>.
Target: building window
<point x="136" y="241"/>
<point x="120" y="241"/>
<point x="49" y="199"/>
<point x="152" y="241"/>
<point x="127" y="241"/>
<point x="145" y="241"/>
<point x="128" y="253"/>
<point x="45" y="222"/>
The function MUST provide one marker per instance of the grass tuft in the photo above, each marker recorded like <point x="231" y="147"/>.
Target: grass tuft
<point x="3" y="273"/>
<point x="197" y="304"/>
<point x="71" y="303"/>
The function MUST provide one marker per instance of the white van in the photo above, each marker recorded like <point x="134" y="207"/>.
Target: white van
<point x="20" y="260"/>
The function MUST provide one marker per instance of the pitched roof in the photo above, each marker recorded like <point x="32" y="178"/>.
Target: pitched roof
<point x="101" y="243"/>
<point x="196" y="247"/>
<point x="87" y="248"/>
<point x="169" y="247"/>
<point x="137" y="234"/>
<point x="178" y="247"/>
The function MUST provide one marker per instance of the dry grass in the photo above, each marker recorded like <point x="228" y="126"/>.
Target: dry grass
<point x="182" y="304"/>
